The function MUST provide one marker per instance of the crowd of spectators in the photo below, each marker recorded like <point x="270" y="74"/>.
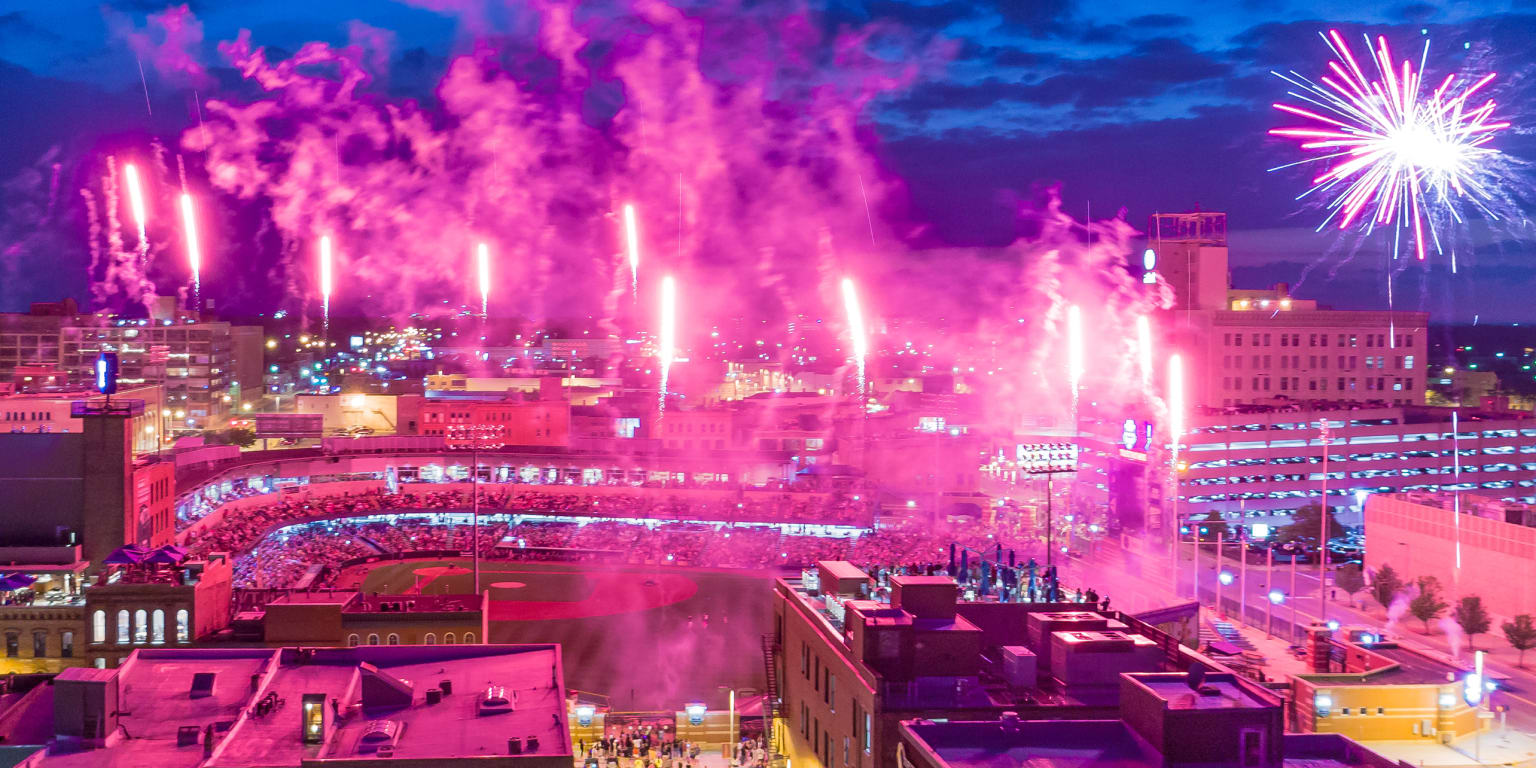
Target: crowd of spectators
<point x="278" y="544"/>
<point x="662" y="502"/>
<point x="284" y="557"/>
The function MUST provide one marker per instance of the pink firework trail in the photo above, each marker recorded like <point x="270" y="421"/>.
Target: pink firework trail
<point x="666" y="345"/>
<point x="483" y="266"/>
<point x="1396" y="154"/>
<point x="194" y="247"/>
<point x="1175" y="404"/>
<point x="856" y="332"/>
<point x="325" y="282"/>
<point x="1144" y="348"/>
<point x="136" y="204"/>
<point x="632" y="242"/>
<point x="1075" y="366"/>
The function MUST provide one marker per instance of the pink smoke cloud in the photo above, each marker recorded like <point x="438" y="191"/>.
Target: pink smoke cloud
<point x="169" y="42"/>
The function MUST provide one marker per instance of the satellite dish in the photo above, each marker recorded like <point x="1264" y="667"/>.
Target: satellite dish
<point x="1196" y="676"/>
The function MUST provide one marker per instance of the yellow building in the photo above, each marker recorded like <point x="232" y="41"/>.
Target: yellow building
<point x="1384" y="692"/>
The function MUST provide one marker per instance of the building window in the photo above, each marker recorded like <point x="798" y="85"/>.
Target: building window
<point x="122" y="627"/>
<point x="448" y="638"/>
<point x="39" y="643"/>
<point x="183" y="630"/>
<point x="393" y="639"/>
<point x="67" y="645"/>
<point x="157" y="627"/>
<point x="99" y="627"/>
<point x="352" y="641"/>
<point x="469" y="638"/>
<point x="429" y="639"/>
<point x="373" y="639"/>
<point x="12" y="644"/>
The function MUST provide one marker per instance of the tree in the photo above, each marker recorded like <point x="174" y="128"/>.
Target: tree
<point x="244" y="438"/>
<point x="1427" y="606"/>
<point x="1521" y="634"/>
<point x="1351" y="579"/>
<point x="1473" y="618"/>
<point x="1305" y="522"/>
<point x="1385" y="585"/>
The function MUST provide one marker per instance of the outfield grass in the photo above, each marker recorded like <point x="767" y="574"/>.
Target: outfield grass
<point x="645" y="652"/>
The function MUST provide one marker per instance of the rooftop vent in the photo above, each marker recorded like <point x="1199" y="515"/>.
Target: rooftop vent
<point x="497" y="700"/>
<point x="379" y="734"/>
<point x="202" y="684"/>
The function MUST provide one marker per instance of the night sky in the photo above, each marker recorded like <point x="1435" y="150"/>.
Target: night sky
<point x="1141" y="106"/>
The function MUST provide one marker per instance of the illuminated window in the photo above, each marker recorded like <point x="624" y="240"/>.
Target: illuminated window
<point x="122" y="627"/>
<point x="157" y="627"/>
<point x="99" y="627"/>
<point x="183" y="628"/>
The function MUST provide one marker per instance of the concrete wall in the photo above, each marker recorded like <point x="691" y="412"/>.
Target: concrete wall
<point x="1498" y="559"/>
<point x="41" y="487"/>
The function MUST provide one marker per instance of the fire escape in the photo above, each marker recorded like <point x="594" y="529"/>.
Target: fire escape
<point x="771" y="700"/>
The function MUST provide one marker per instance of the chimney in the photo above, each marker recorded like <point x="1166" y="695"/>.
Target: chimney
<point x="1319" y="647"/>
<point x="551" y="388"/>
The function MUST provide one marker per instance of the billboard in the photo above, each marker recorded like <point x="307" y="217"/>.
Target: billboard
<point x="289" y="425"/>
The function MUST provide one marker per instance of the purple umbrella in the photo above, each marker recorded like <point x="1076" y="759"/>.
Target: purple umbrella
<point x="132" y="554"/>
<point x="169" y="554"/>
<point x="16" y="581"/>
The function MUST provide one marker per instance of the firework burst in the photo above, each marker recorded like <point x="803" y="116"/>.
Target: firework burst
<point x="1395" y="153"/>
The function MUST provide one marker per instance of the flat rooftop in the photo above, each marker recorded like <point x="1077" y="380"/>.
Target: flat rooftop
<point x="154" y="701"/>
<point x="1219" y="694"/>
<point x="1412" y="668"/>
<point x="155" y="684"/>
<point x="1034" y="743"/>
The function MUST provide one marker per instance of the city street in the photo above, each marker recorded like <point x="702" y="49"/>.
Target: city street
<point x="1137" y="582"/>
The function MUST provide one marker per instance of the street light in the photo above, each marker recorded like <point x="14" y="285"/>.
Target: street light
<point x="1276" y="597"/>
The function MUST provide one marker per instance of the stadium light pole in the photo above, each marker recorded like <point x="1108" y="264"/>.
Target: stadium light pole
<point x="479" y="436"/>
<point x="1049" y="459"/>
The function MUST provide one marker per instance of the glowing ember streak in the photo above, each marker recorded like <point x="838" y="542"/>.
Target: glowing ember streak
<point x="194" y="248"/>
<point x="1074" y="351"/>
<point x="1144" y="348"/>
<point x="1395" y="153"/>
<point x="667" y="336"/>
<point x="325" y="278"/>
<point x="856" y="328"/>
<point x="632" y="240"/>
<point x="483" y="262"/>
<point x="136" y="203"/>
<point x="1175" y="402"/>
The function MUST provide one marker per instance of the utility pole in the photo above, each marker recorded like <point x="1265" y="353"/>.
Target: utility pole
<point x="1322" y="536"/>
<point x="1269" y="609"/>
<point x="1242" y="578"/>
<point x="1220" y="536"/>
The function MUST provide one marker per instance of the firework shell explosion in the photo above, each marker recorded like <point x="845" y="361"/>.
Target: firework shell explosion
<point x="1395" y="153"/>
